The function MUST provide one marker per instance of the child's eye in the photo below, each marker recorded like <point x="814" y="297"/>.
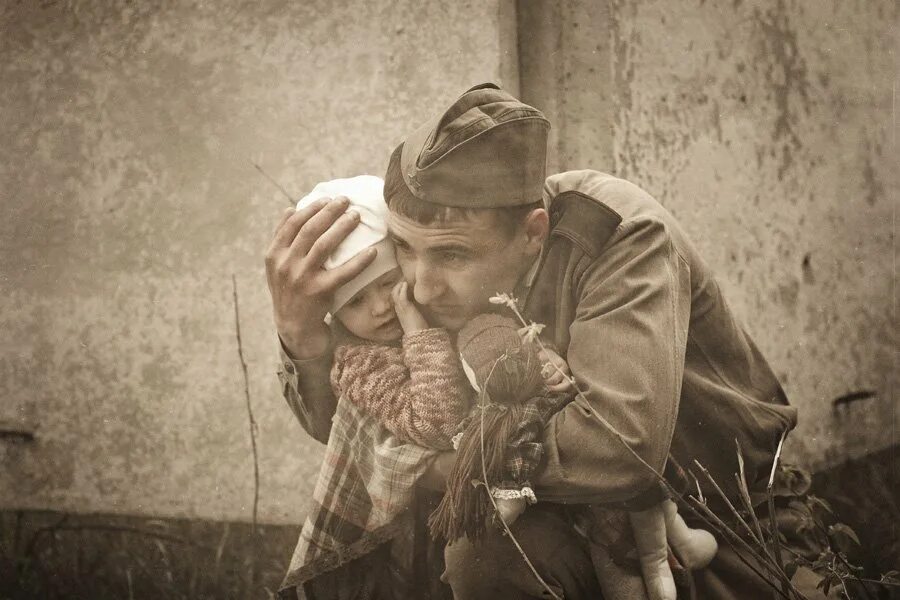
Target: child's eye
<point x="354" y="301"/>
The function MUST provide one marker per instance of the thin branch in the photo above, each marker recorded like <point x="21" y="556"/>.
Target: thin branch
<point x="253" y="426"/>
<point x="730" y="535"/>
<point x="275" y="183"/>
<point x="728" y="541"/>
<point x="770" y="496"/>
<point x="744" y="492"/>
<point x="728" y="503"/>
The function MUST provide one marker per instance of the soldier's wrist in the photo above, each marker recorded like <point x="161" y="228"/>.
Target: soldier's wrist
<point x="306" y="344"/>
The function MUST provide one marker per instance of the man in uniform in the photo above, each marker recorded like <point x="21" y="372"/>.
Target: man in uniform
<point x="625" y="298"/>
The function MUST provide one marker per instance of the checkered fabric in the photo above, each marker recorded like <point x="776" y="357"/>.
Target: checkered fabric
<point x="362" y="498"/>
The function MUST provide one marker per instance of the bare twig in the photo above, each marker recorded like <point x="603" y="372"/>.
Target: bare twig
<point x="744" y="492"/>
<point x="770" y="497"/>
<point x="734" y="538"/>
<point x="253" y="429"/>
<point x="275" y="183"/>
<point x="728" y="540"/>
<point x="253" y="426"/>
<point x="728" y="503"/>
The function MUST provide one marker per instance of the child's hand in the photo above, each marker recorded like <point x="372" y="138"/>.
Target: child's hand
<point x="555" y="371"/>
<point x="510" y="508"/>
<point x="409" y="316"/>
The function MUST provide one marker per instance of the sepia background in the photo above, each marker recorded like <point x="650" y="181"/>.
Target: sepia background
<point x="134" y="220"/>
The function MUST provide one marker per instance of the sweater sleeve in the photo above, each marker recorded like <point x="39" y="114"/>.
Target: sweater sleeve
<point x="418" y="392"/>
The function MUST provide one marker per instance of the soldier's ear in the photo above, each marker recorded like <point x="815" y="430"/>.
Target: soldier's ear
<point x="536" y="227"/>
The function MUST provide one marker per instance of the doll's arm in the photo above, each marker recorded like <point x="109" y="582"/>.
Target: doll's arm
<point x="649" y="530"/>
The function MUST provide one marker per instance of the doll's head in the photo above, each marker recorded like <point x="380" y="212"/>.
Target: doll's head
<point x="500" y="362"/>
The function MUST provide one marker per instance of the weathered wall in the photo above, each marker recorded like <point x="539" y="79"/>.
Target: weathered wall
<point x="129" y="201"/>
<point x="767" y="127"/>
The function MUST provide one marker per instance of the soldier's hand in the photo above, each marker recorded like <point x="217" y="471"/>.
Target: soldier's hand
<point x="301" y="290"/>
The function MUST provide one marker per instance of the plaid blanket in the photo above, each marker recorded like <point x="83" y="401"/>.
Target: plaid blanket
<point x="363" y="496"/>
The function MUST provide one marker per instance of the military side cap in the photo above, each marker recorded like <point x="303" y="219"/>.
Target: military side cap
<point x="488" y="150"/>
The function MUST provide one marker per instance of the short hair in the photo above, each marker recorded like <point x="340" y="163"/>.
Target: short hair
<point x="401" y="201"/>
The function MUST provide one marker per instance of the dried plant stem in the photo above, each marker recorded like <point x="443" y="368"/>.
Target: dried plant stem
<point x="728" y="540"/>
<point x="252" y="420"/>
<point x="728" y="503"/>
<point x="253" y="429"/>
<point x="744" y="492"/>
<point x="770" y="498"/>
<point x="275" y="183"/>
<point x="734" y="538"/>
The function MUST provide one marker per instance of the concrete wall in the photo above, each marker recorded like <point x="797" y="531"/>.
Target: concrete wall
<point x="768" y="128"/>
<point x="129" y="202"/>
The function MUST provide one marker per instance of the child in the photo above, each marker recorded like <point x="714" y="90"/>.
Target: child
<point x="392" y="365"/>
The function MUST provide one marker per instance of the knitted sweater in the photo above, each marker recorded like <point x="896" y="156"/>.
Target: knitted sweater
<point x="417" y="391"/>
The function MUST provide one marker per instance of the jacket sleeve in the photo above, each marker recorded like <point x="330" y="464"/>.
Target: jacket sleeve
<point x="626" y="351"/>
<point x="306" y="387"/>
<point x="417" y="392"/>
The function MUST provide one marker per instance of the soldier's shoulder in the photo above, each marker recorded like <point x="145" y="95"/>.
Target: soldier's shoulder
<point x="588" y="207"/>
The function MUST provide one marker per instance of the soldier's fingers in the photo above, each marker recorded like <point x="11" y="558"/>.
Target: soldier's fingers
<point x="325" y="243"/>
<point x="321" y="209"/>
<point x="273" y="252"/>
<point x="288" y="212"/>
<point x="318" y="225"/>
<point x="335" y="278"/>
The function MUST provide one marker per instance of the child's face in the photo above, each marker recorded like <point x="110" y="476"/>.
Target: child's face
<point x="370" y="313"/>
